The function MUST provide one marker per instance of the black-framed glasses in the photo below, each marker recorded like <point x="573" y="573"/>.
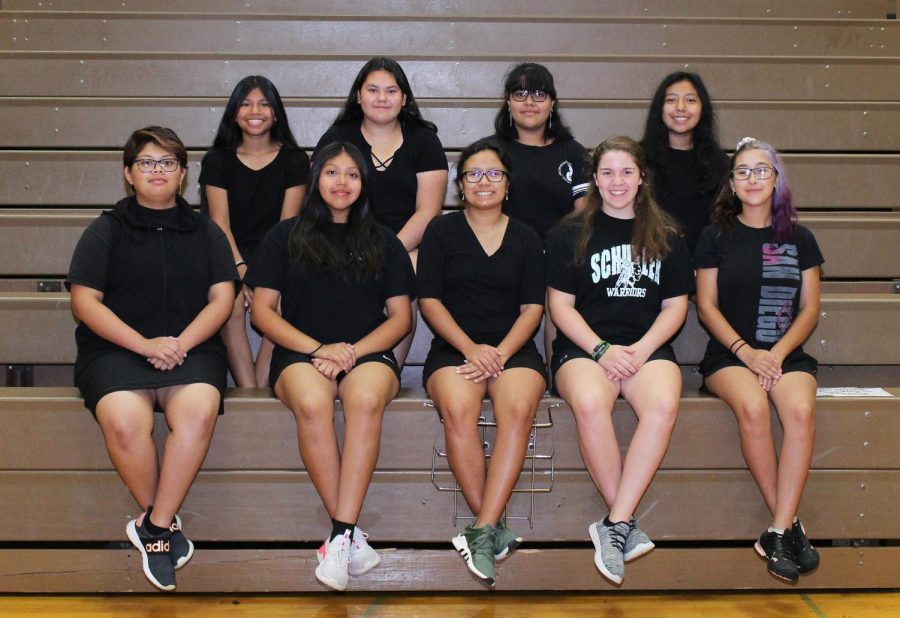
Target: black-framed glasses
<point x="473" y="176"/>
<point x="149" y="165"/>
<point x="762" y="172"/>
<point x="538" y="96"/>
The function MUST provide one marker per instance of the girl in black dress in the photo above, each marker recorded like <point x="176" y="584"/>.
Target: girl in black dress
<point x="253" y="177"/>
<point x="152" y="282"/>
<point x="405" y="159"/>
<point x="681" y="140"/>
<point x="618" y="279"/>
<point x="344" y="284"/>
<point x="758" y="295"/>
<point x="482" y="290"/>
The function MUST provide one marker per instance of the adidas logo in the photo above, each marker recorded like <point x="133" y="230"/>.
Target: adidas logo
<point x="157" y="547"/>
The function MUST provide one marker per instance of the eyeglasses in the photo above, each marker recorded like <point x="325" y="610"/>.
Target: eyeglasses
<point x="473" y="176"/>
<point x="743" y="173"/>
<point x="538" y="96"/>
<point x="149" y="165"/>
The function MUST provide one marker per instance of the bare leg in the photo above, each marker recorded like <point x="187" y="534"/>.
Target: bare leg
<point x="234" y="335"/>
<point x="364" y="393"/>
<point x="459" y="402"/>
<point x="126" y="419"/>
<point x="654" y="392"/>
<point x="739" y="389"/>
<point x="591" y="395"/>
<point x="191" y="411"/>
<point x="310" y="396"/>
<point x="401" y="350"/>
<point x="794" y="396"/>
<point x="515" y="396"/>
<point x="263" y="361"/>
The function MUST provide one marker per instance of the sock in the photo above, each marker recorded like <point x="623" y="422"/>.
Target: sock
<point x="776" y="530"/>
<point x="795" y="520"/>
<point x="154" y="530"/>
<point x="607" y="522"/>
<point x="338" y="528"/>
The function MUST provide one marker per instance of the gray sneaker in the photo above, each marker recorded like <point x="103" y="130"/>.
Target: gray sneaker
<point x="609" y="549"/>
<point x="637" y="543"/>
<point x="505" y="541"/>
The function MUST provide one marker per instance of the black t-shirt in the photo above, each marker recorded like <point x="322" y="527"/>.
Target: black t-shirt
<point x="545" y="181"/>
<point x="680" y="192"/>
<point x="618" y="297"/>
<point x="255" y="197"/>
<point x="392" y="192"/>
<point x="759" y="280"/>
<point x="325" y="305"/>
<point x="483" y="293"/>
<point x="154" y="267"/>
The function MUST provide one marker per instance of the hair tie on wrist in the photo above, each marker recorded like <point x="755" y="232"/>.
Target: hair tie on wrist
<point x="738" y="348"/>
<point x="317" y="349"/>
<point x="734" y="342"/>
<point x="240" y="263"/>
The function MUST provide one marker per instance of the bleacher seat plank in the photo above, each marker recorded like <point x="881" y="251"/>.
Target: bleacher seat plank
<point x="613" y="77"/>
<point x="837" y="9"/>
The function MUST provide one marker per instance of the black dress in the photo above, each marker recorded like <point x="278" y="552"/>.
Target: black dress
<point x="154" y="268"/>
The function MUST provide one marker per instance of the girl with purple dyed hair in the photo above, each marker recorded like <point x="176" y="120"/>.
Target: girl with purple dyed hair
<point x="758" y="295"/>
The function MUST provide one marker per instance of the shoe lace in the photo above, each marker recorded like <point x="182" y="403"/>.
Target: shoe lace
<point x="341" y="553"/>
<point x="617" y="538"/>
<point x="784" y="546"/>
<point x="483" y="545"/>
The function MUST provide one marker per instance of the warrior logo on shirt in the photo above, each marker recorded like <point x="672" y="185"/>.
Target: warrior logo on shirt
<point x="566" y="170"/>
<point x="616" y="261"/>
<point x="776" y="302"/>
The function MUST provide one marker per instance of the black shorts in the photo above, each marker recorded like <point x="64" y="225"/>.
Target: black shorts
<point x="282" y="359"/>
<point x="442" y="354"/>
<point x="798" y="360"/>
<point x="565" y="354"/>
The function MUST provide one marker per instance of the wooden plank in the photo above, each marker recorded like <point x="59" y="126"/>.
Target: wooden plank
<point x="615" y="77"/>
<point x="416" y="570"/>
<point x="850" y="433"/>
<point x="106" y="123"/>
<point x="836" y="9"/>
<point x="482" y="35"/>
<point x="282" y="506"/>
<point x="874" y="239"/>
<point x="46" y="177"/>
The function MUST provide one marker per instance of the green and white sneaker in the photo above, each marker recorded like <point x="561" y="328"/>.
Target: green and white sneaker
<point x="505" y="541"/>
<point x="476" y="546"/>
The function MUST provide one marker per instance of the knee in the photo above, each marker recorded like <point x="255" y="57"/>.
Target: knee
<point x="663" y="413"/>
<point x="365" y="404"/>
<point x="800" y="417"/>
<point x="754" y="418"/>
<point x="124" y="432"/>
<point x="458" y="417"/>
<point x="201" y="421"/>
<point x="521" y="415"/>
<point x="591" y="412"/>
<point x="311" y="408"/>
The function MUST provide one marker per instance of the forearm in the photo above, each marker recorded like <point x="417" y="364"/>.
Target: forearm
<point x="573" y="326"/>
<point x="798" y="332"/>
<point x="411" y="233"/>
<point x="666" y="324"/>
<point x="280" y="331"/>
<point x="208" y="322"/>
<point x="522" y="329"/>
<point x="443" y="325"/>
<point x="387" y="334"/>
<point x="106" y="324"/>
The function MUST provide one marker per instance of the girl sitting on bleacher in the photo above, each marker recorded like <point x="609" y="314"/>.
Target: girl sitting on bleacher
<point x="618" y="279"/>
<point x="481" y="288"/>
<point x="344" y="284"/>
<point x="758" y="295"/>
<point x="253" y="176"/>
<point x="152" y="282"/>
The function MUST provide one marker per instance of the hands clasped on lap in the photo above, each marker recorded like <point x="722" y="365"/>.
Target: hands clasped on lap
<point x="333" y="358"/>
<point x="764" y="363"/>
<point x="482" y="362"/>
<point x="164" y="353"/>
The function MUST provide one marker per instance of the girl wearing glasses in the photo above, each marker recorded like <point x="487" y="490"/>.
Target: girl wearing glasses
<point x="758" y="295"/>
<point x="344" y="285"/>
<point x="406" y="161"/>
<point x="253" y="177"/>
<point x="618" y="279"/>
<point x="152" y="282"/>
<point x="481" y="289"/>
<point x="682" y="145"/>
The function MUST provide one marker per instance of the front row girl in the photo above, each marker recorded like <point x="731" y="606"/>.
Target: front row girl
<point x="758" y="295"/>
<point x="345" y="285"/>
<point x="618" y="279"/>
<point x="151" y="283"/>
<point x="481" y="289"/>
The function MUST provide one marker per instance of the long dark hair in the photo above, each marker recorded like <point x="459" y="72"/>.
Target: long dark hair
<point x="229" y="134"/>
<point x="530" y="76"/>
<point x="485" y="143"/>
<point x="360" y="252"/>
<point x="708" y="155"/>
<point x="652" y="226"/>
<point x="410" y="116"/>
<point x="727" y="205"/>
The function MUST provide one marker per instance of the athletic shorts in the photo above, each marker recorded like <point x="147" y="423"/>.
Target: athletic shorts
<point x="565" y="354"/>
<point x="285" y="358"/>
<point x="442" y="354"/>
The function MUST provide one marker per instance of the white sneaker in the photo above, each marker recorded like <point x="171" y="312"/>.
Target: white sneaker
<point x="332" y="571"/>
<point x="362" y="557"/>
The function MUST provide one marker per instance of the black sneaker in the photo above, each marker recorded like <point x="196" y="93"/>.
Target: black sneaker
<point x="182" y="548"/>
<point x="155" y="554"/>
<point x="805" y="555"/>
<point x="777" y="549"/>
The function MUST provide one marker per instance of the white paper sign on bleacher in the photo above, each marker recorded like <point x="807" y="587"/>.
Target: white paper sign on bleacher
<point x="852" y="391"/>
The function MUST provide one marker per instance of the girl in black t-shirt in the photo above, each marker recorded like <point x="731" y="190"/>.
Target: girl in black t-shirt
<point x="344" y="284"/>
<point x="681" y="139"/>
<point x="253" y="177"/>
<point x="152" y="282"/>
<point x="406" y="161"/>
<point x="618" y="279"/>
<point x="758" y="295"/>
<point x="481" y="286"/>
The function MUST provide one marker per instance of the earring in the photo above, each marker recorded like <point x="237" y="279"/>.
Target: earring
<point x="507" y="195"/>
<point x="462" y="197"/>
<point x="510" y="116"/>
<point x="550" y="123"/>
